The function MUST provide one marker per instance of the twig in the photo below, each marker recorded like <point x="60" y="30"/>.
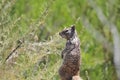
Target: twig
<point x="11" y="53"/>
<point x="87" y="75"/>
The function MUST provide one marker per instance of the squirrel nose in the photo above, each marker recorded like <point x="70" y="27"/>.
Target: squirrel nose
<point x="59" y="33"/>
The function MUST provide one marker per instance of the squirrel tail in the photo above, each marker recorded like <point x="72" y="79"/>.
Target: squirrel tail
<point x="76" y="78"/>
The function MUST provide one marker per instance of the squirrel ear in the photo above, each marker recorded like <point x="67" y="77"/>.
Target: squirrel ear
<point x="73" y="27"/>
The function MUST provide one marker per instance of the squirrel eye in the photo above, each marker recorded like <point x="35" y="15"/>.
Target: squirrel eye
<point x="66" y="31"/>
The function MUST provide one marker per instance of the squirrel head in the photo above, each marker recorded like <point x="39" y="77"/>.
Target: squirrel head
<point x="68" y="33"/>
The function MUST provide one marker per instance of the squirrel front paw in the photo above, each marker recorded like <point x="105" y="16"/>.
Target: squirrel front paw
<point x="62" y="56"/>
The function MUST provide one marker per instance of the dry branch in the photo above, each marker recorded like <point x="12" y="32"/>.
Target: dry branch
<point x="115" y="35"/>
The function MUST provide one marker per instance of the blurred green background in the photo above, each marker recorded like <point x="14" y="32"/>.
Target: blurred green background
<point x="37" y="22"/>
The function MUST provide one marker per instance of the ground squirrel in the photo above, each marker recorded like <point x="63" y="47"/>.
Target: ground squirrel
<point x="69" y="69"/>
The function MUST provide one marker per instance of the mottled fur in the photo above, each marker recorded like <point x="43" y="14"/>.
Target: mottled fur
<point x="69" y="69"/>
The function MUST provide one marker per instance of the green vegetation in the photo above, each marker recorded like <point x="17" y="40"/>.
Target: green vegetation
<point x="37" y="22"/>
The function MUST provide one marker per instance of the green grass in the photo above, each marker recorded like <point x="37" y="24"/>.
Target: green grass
<point x="37" y="23"/>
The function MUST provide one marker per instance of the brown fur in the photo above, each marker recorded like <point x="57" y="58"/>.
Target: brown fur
<point x="71" y="55"/>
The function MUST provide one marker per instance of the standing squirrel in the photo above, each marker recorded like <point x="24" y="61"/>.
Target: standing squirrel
<point x="69" y="69"/>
